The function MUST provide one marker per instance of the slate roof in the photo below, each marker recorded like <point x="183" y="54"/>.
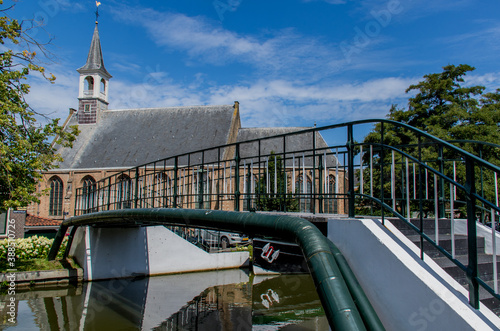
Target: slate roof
<point x="131" y="137"/>
<point x="94" y="59"/>
<point x="293" y="143"/>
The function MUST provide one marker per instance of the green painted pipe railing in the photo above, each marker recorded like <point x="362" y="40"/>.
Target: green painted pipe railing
<point x="321" y="255"/>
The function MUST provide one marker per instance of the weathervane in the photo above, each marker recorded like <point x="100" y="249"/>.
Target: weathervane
<point x="97" y="4"/>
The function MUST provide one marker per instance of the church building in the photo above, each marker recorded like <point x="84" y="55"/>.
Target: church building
<point x="113" y="140"/>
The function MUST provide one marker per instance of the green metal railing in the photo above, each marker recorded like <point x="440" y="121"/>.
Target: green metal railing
<point x="331" y="169"/>
<point x="337" y="297"/>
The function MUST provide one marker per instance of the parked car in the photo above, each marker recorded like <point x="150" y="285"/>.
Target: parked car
<point x="221" y="239"/>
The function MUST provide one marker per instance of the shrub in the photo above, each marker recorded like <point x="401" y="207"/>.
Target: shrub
<point x="31" y="248"/>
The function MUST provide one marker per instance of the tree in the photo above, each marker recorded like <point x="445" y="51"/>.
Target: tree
<point x="26" y="147"/>
<point x="271" y="191"/>
<point x="448" y="109"/>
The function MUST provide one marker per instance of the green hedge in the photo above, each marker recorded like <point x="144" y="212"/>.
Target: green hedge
<point x="30" y="248"/>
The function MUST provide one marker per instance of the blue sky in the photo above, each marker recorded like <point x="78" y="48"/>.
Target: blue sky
<point x="288" y="63"/>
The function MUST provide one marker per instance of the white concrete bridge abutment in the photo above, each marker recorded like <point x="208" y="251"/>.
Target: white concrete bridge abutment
<point x="406" y="292"/>
<point x="106" y="253"/>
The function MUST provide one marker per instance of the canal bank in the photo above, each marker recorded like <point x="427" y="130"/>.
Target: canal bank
<point x="28" y="279"/>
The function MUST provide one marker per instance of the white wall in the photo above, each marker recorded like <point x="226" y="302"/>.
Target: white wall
<point x="482" y="231"/>
<point x="125" y="252"/>
<point x="407" y="293"/>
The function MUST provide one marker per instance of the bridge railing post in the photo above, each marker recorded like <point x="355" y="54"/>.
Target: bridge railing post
<point x="237" y="192"/>
<point x="136" y="193"/>
<point x="283" y="198"/>
<point x="350" y="170"/>
<point x="472" y="272"/>
<point x="176" y="168"/>
<point x="320" y="183"/>
<point x="382" y="156"/>
<point x="441" y="183"/>
<point x="314" y="194"/>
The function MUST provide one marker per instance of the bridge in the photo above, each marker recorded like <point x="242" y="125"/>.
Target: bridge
<point x="440" y="194"/>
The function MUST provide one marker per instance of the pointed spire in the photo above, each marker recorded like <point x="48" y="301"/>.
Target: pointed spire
<point x="95" y="62"/>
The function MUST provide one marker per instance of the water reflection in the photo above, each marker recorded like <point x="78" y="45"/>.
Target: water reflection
<point x="219" y="300"/>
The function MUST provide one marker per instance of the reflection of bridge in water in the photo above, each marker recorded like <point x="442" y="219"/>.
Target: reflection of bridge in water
<point x="223" y="300"/>
<point x="425" y="185"/>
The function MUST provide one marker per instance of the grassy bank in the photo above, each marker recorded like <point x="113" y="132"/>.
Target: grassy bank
<point x="39" y="264"/>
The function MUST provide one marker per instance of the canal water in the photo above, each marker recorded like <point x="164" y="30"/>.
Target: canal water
<point x="217" y="300"/>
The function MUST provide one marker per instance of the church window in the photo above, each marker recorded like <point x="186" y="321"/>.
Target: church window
<point x="89" y="194"/>
<point x="331" y="205"/>
<point x="56" y="196"/>
<point x="86" y="108"/>
<point x="124" y="191"/>
<point x="304" y="193"/>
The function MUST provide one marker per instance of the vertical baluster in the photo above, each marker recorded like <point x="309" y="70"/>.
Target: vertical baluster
<point x="414" y="182"/>
<point x="393" y="180"/>
<point x="361" y="169"/>
<point x="494" y="246"/>
<point x="371" y="171"/>
<point x="237" y="179"/>
<point x="275" y="177"/>
<point x="350" y="173"/>
<point x="267" y="175"/>
<point x="452" y="219"/>
<point x="494" y="236"/>
<point x="426" y="183"/>
<point x="436" y="209"/>
<point x="224" y="187"/>
<point x="336" y="171"/>
<point x="408" y="212"/>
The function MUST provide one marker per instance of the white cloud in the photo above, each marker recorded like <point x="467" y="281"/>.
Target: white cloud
<point x="273" y="52"/>
<point x="489" y="80"/>
<point x="263" y="102"/>
<point x="54" y="100"/>
<point x="284" y="103"/>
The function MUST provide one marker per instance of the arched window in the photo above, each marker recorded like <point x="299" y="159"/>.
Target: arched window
<point x="303" y="190"/>
<point x="123" y="191"/>
<point x="56" y="197"/>
<point x="89" y="194"/>
<point x="89" y="86"/>
<point x="103" y="86"/>
<point x="331" y="202"/>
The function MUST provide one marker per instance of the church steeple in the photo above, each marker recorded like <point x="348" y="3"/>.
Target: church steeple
<point x="95" y="62"/>
<point x="94" y="84"/>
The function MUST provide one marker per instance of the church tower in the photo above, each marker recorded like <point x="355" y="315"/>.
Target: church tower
<point x="94" y="84"/>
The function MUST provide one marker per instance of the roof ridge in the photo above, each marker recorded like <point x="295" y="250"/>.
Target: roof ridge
<point x="278" y="127"/>
<point x="169" y="107"/>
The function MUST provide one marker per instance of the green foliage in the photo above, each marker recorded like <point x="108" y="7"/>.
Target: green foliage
<point x="25" y="147"/>
<point x="447" y="109"/>
<point x="276" y="199"/>
<point x="31" y="248"/>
